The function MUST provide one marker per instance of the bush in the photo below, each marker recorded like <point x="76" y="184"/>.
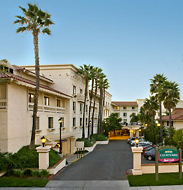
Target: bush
<point x="87" y="142"/>
<point x="44" y="173"/>
<point x="27" y="173"/>
<point x="36" y="173"/>
<point x="6" y="161"/>
<point x="25" y="158"/>
<point x="17" y="173"/>
<point x="99" y="137"/>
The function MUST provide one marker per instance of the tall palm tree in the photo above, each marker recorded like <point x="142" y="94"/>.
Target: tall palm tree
<point x="84" y="71"/>
<point x="97" y="76"/>
<point x="172" y="97"/>
<point x="157" y="89"/>
<point x="151" y="106"/>
<point x="35" y="21"/>
<point x="102" y="83"/>
<point x="92" y="77"/>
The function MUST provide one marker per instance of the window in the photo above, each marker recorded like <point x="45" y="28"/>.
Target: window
<point x="86" y="108"/>
<point x="74" y="121"/>
<point x="74" y="89"/>
<point x="133" y="107"/>
<point x="124" y="114"/>
<point x="124" y="107"/>
<point x="81" y="108"/>
<point x="31" y="98"/>
<point x="46" y="101"/>
<point x="50" y="122"/>
<point x="58" y="103"/>
<point x="81" y="122"/>
<point x="74" y="107"/>
<point x="81" y="91"/>
<point x="86" y="121"/>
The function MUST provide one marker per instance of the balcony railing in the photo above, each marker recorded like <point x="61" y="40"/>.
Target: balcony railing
<point x="80" y="98"/>
<point x="44" y="108"/>
<point x="3" y="103"/>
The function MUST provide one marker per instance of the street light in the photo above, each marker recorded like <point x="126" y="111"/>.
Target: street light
<point x="43" y="140"/>
<point x="137" y="142"/>
<point x="60" y="148"/>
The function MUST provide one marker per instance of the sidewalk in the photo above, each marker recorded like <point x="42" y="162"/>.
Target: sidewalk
<point x="170" y="187"/>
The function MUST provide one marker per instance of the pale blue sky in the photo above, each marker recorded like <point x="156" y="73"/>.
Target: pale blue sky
<point x="131" y="40"/>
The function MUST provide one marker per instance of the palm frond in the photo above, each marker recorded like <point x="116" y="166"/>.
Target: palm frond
<point x="21" y="29"/>
<point x="46" y="31"/>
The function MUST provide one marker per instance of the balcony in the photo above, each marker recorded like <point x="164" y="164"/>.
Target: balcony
<point x="80" y="97"/>
<point x="3" y="103"/>
<point x="108" y="107"/>
<point x="43" y="108"/>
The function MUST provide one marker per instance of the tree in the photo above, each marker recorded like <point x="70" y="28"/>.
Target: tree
<point x="35" y="21"/>
<point x="102" y="84"/>
<point x="151" y="106"/>
<point x="92" y="77"/>
<point x="134" y="118"/>
<point x="157" y="89"/>
<point x="84" y="71"/>
<point x="97" y="76"/>
<point x="112" y="123"/>
<point x="172" y="97"/>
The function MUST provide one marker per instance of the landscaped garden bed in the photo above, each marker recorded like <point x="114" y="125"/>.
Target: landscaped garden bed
<point x="149" y="179"/>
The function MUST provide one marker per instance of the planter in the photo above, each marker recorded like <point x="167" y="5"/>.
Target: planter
<point x="61" y="164"/>
<point x="80" y="144"/>
<point x="90" y="149"/>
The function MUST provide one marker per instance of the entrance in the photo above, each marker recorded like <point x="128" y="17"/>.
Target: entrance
<point x="122" y="134"/>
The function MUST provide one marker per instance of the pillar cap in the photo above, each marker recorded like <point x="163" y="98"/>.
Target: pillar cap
<point x="43" y="149"/>
<point x="137" y="149"/>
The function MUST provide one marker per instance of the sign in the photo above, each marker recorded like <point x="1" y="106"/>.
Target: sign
<point x="168" y="155"/>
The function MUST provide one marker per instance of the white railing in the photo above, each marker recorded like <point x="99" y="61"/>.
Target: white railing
<point x="3" y="103"/>
<point x="44" y="108"/>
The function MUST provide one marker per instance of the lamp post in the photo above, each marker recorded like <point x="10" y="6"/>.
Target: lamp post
<point x="137" y="142"/>
<point x="43" y="140"/>
<point x="60" y="148"/>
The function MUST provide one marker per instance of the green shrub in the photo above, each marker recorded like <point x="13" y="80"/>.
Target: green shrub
<point x="17" y="173"/>
<point x="36" y="173"/>
<point x="44" y="173"/>
<point x="6" y="161"/>
<point x="54" y="157"/>
<point x="10" y="172"/>
<point x="27" y="173"/>
<point x="99" y="137"/>
<point x="87" y="142"/>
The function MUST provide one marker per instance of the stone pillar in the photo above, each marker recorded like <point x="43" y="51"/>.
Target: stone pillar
<point x="43" y="156"/>
<point x="137" y="170"/>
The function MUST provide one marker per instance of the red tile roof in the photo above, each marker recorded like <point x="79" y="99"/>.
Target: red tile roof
<point x="16" y="77"/>
<point x="177" y="115"/>
<point x="124" y="103"/>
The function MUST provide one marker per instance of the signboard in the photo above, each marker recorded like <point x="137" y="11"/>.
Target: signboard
<point x="168" y="155"/>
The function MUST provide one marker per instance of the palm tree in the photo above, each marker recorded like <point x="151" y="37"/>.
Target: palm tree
<point x="157" y="89"/>
<point x="103" y="83"/>
<point x="35" y="20"/>
<point x="97" y="76"/>
<point x="151" y="106"/>
<point x="172" y="97"/>
<point x="92" y="77"/>
<point x="84" y="71"/>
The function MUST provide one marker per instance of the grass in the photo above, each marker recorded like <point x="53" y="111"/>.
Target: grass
<point x="22" y="182"/>
<point x="149" y="180"/>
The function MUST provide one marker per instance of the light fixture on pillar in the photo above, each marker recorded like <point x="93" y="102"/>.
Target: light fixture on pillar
<point x="60" y="148"/>
<point x="137" y="142"/>
<point x="43" y="140"/>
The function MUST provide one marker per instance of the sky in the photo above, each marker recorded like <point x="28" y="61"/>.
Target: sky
<point x="131" y="40"/>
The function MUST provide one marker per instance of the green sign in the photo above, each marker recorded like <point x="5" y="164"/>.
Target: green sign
<point x="168" y="155"/>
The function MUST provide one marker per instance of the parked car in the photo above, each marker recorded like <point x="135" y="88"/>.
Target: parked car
<point x="148" y="148"/>
<point x="144" y="144"/>
<point x="128" y="140"/>
<point x="131" y="139"/>
<point x="141" y="142"/>
<point x="150" y="155"/>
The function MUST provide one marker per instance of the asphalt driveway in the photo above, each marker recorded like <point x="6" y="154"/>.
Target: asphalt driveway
<point x="106" y="162"/>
